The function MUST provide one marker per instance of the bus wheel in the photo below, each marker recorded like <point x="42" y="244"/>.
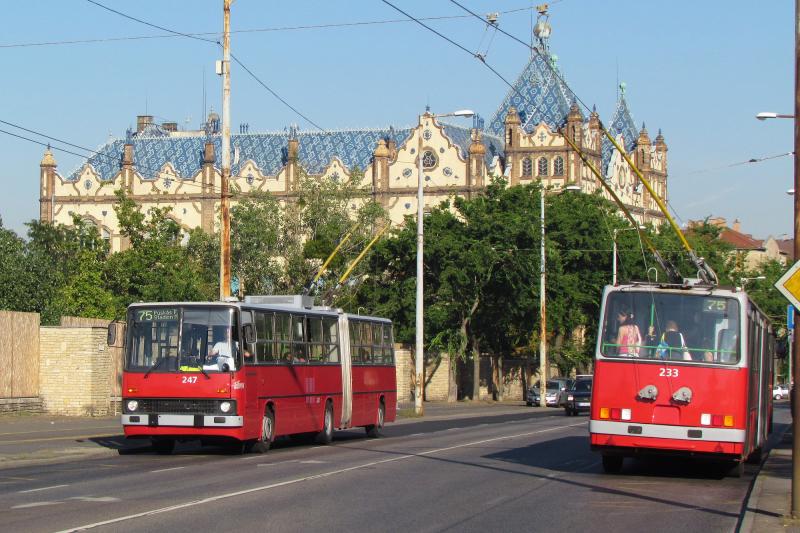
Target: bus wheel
<point x="163" y="446"/>
<point x="326" y="435"/>
<point x="755" y="457"/>
<point x="267" y="434"/>
<point x="612" y="464"/>
<point x="736" y="470"/>
<point x="374" y="430"/>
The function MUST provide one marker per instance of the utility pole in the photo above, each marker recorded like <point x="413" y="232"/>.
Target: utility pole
<point x="543" y="311"/>
<point x="225" y="213"/>
<point x="419" y="356"/>
<point x="796" y="341"/>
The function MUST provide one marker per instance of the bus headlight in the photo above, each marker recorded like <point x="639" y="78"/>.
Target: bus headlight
<point x="132" y="405"/>
<point x="225" y="407"/>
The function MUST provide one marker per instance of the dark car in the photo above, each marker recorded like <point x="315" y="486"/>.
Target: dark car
<point x="579" y="397"/>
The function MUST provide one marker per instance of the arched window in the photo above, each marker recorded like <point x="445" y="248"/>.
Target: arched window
<point x="543" y="166"/>
<point x="527" y="167"/>
<point x="558" y="166"/>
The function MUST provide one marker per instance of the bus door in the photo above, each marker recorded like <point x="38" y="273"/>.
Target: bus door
<point x="347" y="371"/>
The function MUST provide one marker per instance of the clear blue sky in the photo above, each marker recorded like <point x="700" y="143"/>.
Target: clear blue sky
<point x="700" y="71"/>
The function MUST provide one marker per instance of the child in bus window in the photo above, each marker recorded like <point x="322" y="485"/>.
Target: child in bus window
<point x="629" y="339"/>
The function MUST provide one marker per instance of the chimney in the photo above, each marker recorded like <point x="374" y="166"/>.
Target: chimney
<point x="142" y="121"/>
<point x="737" y="226"/>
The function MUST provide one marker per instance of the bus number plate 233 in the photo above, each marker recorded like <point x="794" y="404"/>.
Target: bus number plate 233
<point x="668" y="372"/>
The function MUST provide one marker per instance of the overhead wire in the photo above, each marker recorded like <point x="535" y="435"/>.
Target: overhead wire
<point x="252" y="30"/>
<point x="216" y="42"/>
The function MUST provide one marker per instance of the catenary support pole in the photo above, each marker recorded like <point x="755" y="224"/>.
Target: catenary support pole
<point x="542" y="311"/>
<point x="225" y="213"/>
<point x="419" y="350"/>
<point x="796" y="342"/>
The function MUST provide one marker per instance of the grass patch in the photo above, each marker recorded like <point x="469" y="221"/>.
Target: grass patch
<point x="408" y="413"/>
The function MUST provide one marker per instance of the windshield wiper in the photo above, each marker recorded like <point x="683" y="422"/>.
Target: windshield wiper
<point x="155" y="365"/>
<point x="203" y="370"/>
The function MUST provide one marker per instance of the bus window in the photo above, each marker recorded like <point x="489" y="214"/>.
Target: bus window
<point x="685" y="327"/>
<point x="283" y="336"/>
<point x="265" y="338"/>
<point x="355" y="341"/>
<point x="299" y="339"/>
<point x="377" y="337"/>
<point x="330" y="338"/>
<point x="249" y="351"/>
<point x="316" y="350"/>
<point x="365" y="348"/>
<point x="387" y="343"/>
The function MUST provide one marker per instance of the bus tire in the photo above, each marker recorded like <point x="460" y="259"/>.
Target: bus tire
<point x="163" y="446"/>
<point x="325" y="436"/>
<point x="612" y="464"/>
<point x="374" y="430"/>
<point x="736" y="470"/>
<point x="262" y="444"/>
<point x="755" y="457"/>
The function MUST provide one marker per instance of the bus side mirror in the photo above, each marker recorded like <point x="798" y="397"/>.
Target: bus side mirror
<point x="111" y="337"/>
<point x="249" y="333"/>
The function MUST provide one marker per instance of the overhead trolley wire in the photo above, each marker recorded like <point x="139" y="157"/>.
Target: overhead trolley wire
<point x="216" y="42"/>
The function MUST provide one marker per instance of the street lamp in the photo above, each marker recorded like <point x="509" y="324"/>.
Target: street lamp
<point x="419" y="353"/>
<point x="742" y="281"/>
<point x="764" y="115"/>
<point x="614" y="257"/>
<point x="542" y="302"/>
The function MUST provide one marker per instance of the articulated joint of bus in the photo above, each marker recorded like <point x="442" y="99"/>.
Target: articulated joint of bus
<point x="181" y="412"/>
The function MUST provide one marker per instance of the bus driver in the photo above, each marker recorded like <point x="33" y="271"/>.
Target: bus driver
<point x="220" y="357"/>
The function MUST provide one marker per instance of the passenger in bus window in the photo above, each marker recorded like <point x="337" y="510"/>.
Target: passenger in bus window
<point x="698" y="339"/>
<point x="673" y="344"/>
<point x="629" y="339"/>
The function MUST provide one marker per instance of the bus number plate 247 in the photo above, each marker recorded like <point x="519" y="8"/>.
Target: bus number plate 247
<point x="189" y="379"/>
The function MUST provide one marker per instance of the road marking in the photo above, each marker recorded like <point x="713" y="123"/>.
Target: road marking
<point x="277" y="463"/>
<point x="95" y="498"/>
<point x="416" y="434"/>
<point x="311" y="462"/>
<point x="18" y="478"/>
<point x="167" y="469"/>
<point x="35" y="504"/>
<point x="42" y="488"/>
<point x="322" y="475"/>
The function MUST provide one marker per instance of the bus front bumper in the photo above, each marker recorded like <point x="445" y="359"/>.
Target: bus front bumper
<point x="631" y="438"/>
<point x="182" y="421"/>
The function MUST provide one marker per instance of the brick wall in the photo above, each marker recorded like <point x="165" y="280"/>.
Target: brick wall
<point x="74" y="369"/>
<point x="437" y="378"/>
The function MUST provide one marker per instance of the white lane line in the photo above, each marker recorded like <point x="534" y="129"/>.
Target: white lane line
<point x="416" y="434"/>
<point x="330" y="473"/>
<point x="42" y="488"/>
<point x="311" y="462"/>
<point x="35" y="504"/>
<point x="167" y="469"/>
<point x="278" y="463"/>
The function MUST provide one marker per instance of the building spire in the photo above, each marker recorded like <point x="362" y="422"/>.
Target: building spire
<point x="542" y="29"/>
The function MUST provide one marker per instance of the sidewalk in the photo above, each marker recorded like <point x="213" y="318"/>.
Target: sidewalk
<point x="769" y="504"/>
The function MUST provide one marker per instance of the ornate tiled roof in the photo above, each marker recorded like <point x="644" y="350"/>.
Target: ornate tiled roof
<point x="267" y="150"/>
<point x="621" y="124"/>
<point x="538" y="95"/>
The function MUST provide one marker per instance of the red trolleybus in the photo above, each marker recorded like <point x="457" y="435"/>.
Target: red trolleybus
<point x="681" y="369"/>
<point x="248" y="372"/>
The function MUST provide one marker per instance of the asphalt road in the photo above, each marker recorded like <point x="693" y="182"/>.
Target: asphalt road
<point x="522" y="470"/>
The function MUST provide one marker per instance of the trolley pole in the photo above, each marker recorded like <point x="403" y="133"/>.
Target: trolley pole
<point x="225" y="213"/>
<point x="796" y="340"/>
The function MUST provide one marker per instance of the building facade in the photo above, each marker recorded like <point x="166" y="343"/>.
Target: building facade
<point x="159" y="166"/>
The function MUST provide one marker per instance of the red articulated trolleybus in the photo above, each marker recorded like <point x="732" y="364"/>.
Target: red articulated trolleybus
<point x="244" y="373"/>
<point x="696" y="382"/>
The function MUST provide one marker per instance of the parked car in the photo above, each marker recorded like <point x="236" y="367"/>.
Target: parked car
<point x="780" y="391"/>
<point x="554" y="387"/>
<point x="579" y="397"/>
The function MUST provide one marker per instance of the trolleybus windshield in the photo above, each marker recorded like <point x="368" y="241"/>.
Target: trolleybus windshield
<point x="182" y="339"/>
<point x="667" y="326"/>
